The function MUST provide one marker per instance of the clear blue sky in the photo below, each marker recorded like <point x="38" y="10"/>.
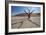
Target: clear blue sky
<point x="20" y="9"/>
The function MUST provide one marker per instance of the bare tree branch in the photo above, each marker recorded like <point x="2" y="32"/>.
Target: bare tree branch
<point x="28" y="10"/>
<point x="32" y="11"/>
<point x="25" y="12"/>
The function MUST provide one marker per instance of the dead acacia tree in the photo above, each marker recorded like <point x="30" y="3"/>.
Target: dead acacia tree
<point x="29" y="13"/>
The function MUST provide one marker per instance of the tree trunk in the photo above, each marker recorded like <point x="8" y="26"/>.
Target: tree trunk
<point x="29" y="16"/>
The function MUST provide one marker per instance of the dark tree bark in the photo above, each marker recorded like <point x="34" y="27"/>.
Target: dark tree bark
<point x="29" y="16"/>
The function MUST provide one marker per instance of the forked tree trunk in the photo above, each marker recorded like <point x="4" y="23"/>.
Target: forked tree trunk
<point x="28" y="13"/>
<point x="29" y="16"/>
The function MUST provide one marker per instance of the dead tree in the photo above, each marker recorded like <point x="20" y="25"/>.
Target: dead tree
<point x="29" y="13"/>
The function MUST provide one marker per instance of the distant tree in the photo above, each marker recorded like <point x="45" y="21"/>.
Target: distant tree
<point x="29" y="13"/>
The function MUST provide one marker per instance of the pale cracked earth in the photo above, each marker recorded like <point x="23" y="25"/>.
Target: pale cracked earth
<point x="23" y="22"/>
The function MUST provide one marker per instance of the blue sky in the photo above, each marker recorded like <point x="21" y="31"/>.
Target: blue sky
<point x="20" y="9"/>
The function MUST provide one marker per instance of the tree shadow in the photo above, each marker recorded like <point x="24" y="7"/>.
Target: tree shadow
<point x="34" y="23"/>
<point x="17" y="23"/>
<point x="21" y="24"/>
